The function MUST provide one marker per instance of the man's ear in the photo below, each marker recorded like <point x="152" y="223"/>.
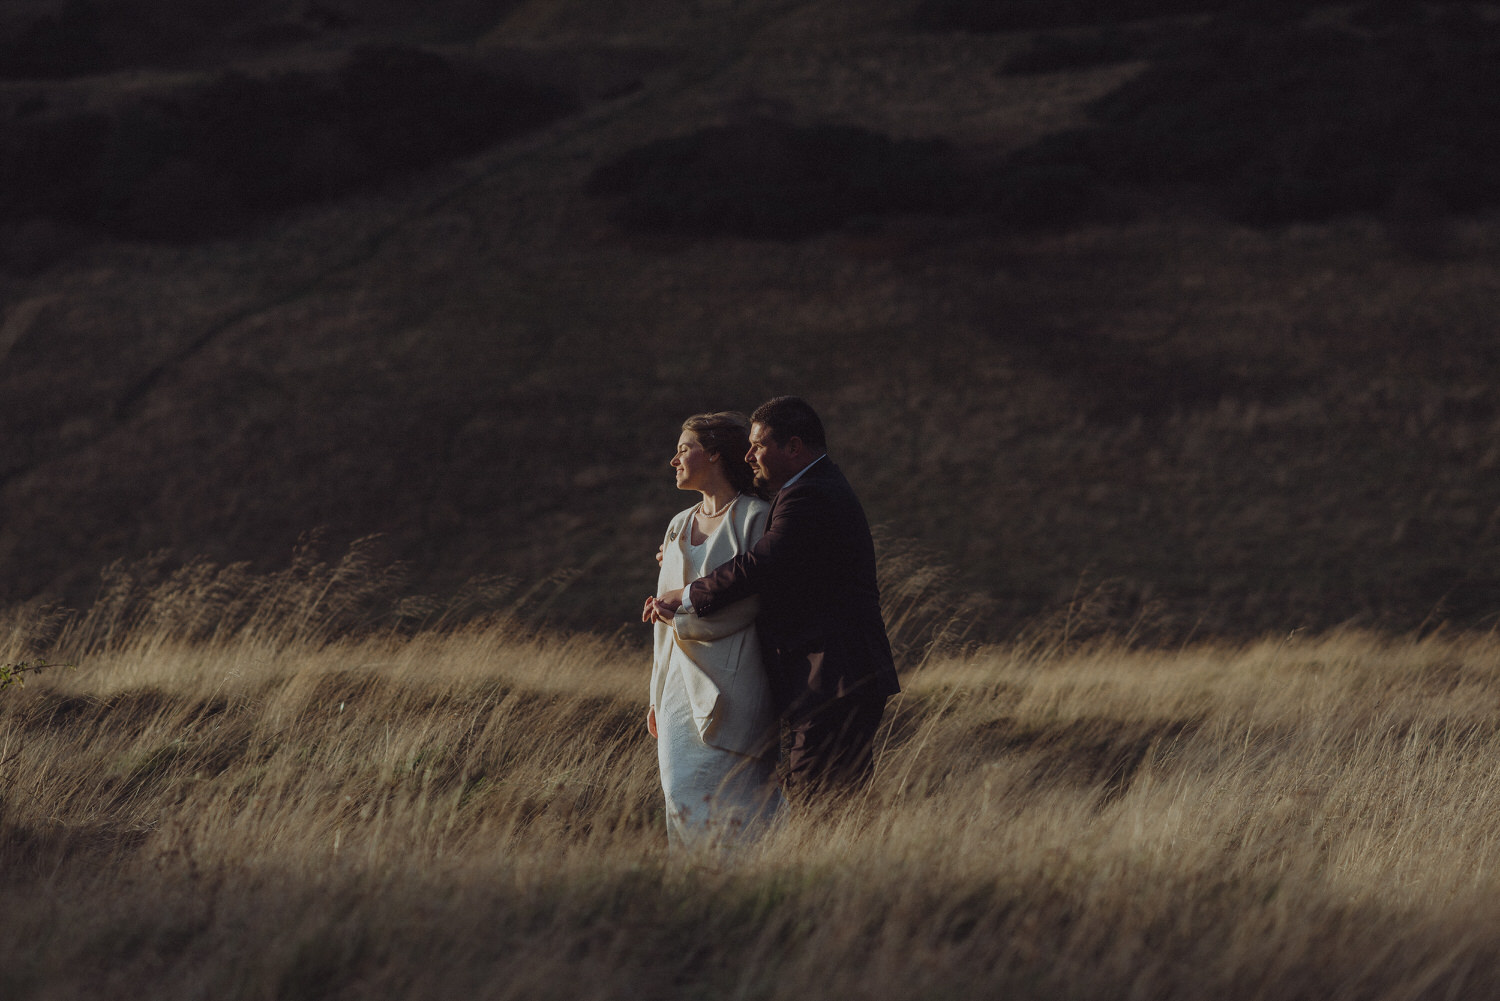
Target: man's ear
<point x="794" y="444"/>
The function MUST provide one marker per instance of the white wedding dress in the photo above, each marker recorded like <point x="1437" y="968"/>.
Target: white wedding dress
<point x="715" y="798"/>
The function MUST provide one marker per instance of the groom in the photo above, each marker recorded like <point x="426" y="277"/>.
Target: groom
<point x="827" y="654"/>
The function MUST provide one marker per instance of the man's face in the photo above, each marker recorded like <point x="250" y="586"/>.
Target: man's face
<point x="774" y="464"/>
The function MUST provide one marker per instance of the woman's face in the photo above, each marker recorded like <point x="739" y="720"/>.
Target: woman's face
<point x="695" y="467"/>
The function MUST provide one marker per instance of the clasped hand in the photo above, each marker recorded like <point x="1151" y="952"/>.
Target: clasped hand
<point x="663" y="607"/>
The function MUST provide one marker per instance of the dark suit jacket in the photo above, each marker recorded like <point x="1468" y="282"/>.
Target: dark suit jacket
<point x="814" y="568"/>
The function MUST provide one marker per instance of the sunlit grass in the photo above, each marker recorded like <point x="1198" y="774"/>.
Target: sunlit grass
<point x="472" y="810"/>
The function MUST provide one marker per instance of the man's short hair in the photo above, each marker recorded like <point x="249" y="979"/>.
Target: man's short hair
<point x="788" y="417"/>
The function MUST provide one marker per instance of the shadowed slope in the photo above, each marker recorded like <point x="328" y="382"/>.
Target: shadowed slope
<point x="1232" y="430"/>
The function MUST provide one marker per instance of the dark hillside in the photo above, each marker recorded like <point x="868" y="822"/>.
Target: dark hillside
<point x="1077" y="332"/>
<point x="212" y="159"/>
<point x="1307" y="119"/>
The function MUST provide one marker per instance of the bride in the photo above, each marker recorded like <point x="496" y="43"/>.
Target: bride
<point x="711" y="709"/>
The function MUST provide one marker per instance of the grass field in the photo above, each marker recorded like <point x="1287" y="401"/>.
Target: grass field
<point x="236" y="794"/>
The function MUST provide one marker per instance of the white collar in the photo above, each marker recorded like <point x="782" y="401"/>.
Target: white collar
<point x="804" y="469"/>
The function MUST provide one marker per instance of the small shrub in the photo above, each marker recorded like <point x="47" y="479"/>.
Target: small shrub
<point x="1041" y="195"/>
<point x="30" y="248"/>
<point x="1281" y="122"/>
<point x="49" y="168"/>
<point x="207" y="162"/>
<point x="15" y="674"/>
<point x="984" y="16"/>
<point x="408" y="108"/>
<point x="56" y="45"/>
<point x="1050" y="53"/>
<point x="87" y="37"/>
<point x="765" y="179"/>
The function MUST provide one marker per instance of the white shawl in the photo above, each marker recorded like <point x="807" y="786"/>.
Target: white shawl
<point x="712" y="656"/>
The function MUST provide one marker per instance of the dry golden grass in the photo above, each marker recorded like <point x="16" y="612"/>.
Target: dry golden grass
<point x="275" y="808"/>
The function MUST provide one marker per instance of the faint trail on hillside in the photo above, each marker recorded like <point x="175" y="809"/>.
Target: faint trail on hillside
<point x="726" y="46"/>
<point x="730" y="48"/>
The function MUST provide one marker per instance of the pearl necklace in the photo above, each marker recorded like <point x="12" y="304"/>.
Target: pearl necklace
<point x="719" y="513"/>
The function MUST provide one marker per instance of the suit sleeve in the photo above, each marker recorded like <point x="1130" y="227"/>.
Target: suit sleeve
<point x="775" y="557"/>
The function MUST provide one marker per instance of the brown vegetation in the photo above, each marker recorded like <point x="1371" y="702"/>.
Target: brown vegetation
<point x="279" y="807"/>
<point x="1142" y="446"/>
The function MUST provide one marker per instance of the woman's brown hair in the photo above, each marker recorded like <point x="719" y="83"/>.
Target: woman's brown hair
<point x="727" y="435"/>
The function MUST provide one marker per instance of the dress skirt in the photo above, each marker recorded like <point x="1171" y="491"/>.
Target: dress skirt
<point x="715" y="798"/>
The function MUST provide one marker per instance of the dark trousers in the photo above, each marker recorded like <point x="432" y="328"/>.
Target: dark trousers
<point x="829" y="747"/>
